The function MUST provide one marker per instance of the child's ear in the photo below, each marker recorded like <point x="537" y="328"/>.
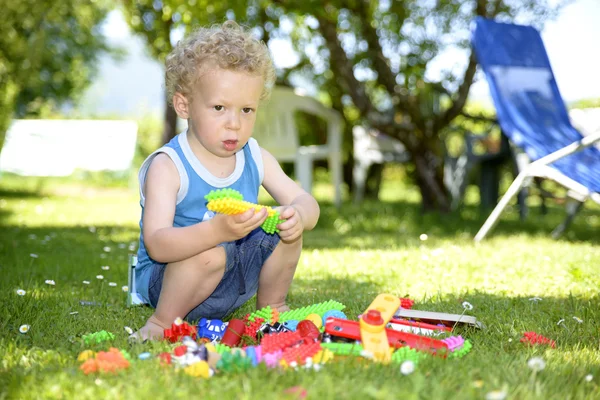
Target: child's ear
<point x="181" y="105"/>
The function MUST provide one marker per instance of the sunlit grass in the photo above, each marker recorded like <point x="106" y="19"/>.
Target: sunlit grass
<point x="67" y="231"/>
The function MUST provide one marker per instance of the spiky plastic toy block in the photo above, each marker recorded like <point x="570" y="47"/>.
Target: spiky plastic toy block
<point x="320" y="309"/>
<point x="300" y="353"/>
<point x="268" y="314"/>
<point x="231" y="202"/>
<point x="279" y="341"/>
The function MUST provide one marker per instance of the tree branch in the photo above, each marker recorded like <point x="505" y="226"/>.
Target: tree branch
<point x="341" y="63"/>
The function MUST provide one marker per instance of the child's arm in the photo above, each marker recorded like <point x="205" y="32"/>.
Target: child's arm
<point x="166" y="243"/>
<point x="303" y="211"/>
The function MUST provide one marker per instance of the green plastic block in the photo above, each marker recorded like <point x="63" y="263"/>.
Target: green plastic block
<point x="406" y="353"/>
<point x="458" y="353"/>
<point x="98" y="337"/>
<point x="265" y="313"/>
<point x="343" y="349"/>
<point x="320" y="309"/>
<point x="223" y="194"/>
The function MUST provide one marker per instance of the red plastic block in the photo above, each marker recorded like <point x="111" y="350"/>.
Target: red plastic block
<point x="178" y="331"/>
<point x="279" y="341"/>
<point x="533" y="338"/>
<point x="301" y="353"/>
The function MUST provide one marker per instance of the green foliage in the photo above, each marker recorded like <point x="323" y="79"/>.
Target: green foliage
<point x="354" y="254"/>
<point x="586" y="103"/>
<point x="48" y="54"/>
<point x="371" y="60"/>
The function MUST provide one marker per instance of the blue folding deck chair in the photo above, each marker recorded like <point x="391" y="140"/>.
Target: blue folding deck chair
<point x="533" y="116"/>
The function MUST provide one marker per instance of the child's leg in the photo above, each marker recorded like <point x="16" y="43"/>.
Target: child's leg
<point x="185" y="284"/>
<point x="277" y="274"/>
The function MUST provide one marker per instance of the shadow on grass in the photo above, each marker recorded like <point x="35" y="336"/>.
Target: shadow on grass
<point x="378" y="224"/>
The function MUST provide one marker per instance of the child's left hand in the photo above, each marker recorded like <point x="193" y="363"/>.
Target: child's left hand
<point x="292" y="228"/>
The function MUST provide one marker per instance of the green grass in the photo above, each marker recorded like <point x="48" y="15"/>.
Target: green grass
<point x="356" y="253"/>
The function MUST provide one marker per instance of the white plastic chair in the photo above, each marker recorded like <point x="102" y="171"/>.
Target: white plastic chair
<point x="276" y="131"/>
<point x="372" y="147"/>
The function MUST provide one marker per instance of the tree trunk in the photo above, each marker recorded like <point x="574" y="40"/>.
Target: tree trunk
<point x="430" y="180"/>
<point x="170" y="125"/>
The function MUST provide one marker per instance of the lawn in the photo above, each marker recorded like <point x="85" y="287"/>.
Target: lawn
<point x="518" y="280"/>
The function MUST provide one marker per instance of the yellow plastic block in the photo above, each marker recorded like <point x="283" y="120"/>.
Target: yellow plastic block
<point x="233" y="206"/>
<point x="372" y="326"/>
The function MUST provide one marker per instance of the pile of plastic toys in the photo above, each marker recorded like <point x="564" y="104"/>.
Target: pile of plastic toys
<point x="306" y="337"/>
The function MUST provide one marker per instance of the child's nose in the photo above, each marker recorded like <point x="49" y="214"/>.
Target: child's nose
<point x="233" y="122"/>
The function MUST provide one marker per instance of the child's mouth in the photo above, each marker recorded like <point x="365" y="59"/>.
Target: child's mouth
<point x="230" y="145"/>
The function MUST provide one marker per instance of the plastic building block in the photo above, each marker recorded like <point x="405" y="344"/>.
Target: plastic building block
<point x="279" y="341"/>
<point x="272" y="359"/>
<point x="406" y="353"/>
<point x="406" y="303"/>
<point x="533" y="338"/>
<point x="460" y="352"/>
<point x="234" y="362"/>
<point x="233" y="333"/>
<point x="315" y="319"/>
<point x="350" y="330"/>
<point x="291" y="324"/>
<point x="212" y="329"/>
<point x="372" y="326"/>
<point x="300" y="353"/>
<point x="343" y="349"/>
<point x="268" y="314"/>
<point x="320" y="309"/>
<point x="253" y="327"/>
<point x="85" y="355"/>
<point x="454" y="342"/>
<point x="335" y="314"/>
<point x="178" y="330"/>
<point x="105" y="361"/>
<point x="308" y="331"/>
<point x="231" y="202"/>
<point x="199" y="369"/>
<point x="97" y="337"/>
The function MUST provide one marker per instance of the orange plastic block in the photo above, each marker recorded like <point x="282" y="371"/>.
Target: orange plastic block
<point x="105" y="361"/>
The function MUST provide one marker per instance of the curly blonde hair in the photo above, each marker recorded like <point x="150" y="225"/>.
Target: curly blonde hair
<point x="227" y="46"/>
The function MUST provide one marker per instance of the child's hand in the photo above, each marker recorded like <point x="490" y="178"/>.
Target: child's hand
<point x="234" y="227"/>
<point x="292" y="228"/>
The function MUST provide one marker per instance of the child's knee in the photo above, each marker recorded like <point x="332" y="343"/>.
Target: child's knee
<point x="210" y="261"/>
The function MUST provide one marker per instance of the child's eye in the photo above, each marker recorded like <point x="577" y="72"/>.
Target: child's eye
<point x="247" y="110"/>
<point x="218" y="108"/>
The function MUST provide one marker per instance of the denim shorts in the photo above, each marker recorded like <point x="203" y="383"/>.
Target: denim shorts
<point x="245" y="258"/>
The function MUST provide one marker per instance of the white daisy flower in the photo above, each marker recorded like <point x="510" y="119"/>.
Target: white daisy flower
<point x="24" y="328"/>
<point x="178" y="321"/>
<point x="128" y="330"/>
<point x="21" y="292"/>
<point x="578" y="320"/>
<point x="496" y="395"/>
<point x="86" y="282"/>
<point x="589" y="377"/>
<point x="407" y="367"/>
<point x="105" y="267"/>
<point x="99" y="276"/>
<point x="33" y="255"/>
<point x="536" y="363"/>
<point x="92" y="229"/>
<point x="132" y="246"/>
<point x="50" y="282"/>
<point x="106" y="249"/>
<point x="535" y="299"/>
<point x="113" y="284"/>
<point x="125" y="288"/>
<point x="467" y="306"/>
<point x="423" y="237"/>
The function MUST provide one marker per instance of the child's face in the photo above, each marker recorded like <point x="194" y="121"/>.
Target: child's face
<point x="223" y="109"/>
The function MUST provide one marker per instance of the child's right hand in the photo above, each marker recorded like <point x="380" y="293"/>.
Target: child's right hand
<point x="234" y="227"/>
